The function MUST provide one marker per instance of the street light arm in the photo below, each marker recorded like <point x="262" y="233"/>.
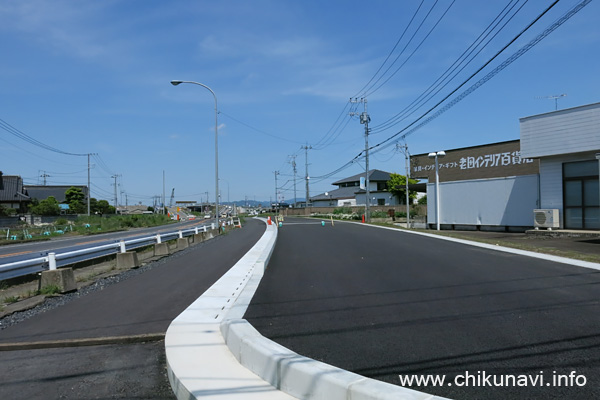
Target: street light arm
<point x="177" y="82"/>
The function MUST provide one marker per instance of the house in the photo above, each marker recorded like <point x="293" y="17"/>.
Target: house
<point x="350" y="193"/>
<point x="42" y="192"/>
<point x="12" y="192"/>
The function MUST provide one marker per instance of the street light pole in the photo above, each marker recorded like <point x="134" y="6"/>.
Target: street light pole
<point x="175" y="83"/>
<point x="437" y="155"/>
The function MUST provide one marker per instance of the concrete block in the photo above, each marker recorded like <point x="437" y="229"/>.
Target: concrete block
<point x="127" y="260"/>
<point x="161" y="249"/>
<point x="183" y="243"/>
<point x="371" y="389"/>
<point x="198" y="237"/>
<point x="62" y="277"/>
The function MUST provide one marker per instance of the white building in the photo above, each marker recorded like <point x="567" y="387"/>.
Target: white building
<point x="350" y="193"/>
<point x="491" y="187"/>
<point x="567" y="144"/>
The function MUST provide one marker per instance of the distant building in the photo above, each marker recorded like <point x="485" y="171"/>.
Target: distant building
<point x="349" y="192"/>
<point x="12" y="192"/>
<point x="42" y="192"/>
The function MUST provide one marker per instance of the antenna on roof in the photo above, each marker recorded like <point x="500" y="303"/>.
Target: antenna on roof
<point x="555" y="97"/>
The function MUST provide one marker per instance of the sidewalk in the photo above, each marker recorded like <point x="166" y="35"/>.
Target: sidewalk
<point x="580" y="245"/>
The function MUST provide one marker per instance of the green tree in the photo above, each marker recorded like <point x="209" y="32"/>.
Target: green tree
<point x="93" y="205"/>
<point x="423" y="200"/>
<point x="46" y="207"/>
<point x="76" y="200"/>
<point x="397" y="186"/>
<point x="104" y="208"/>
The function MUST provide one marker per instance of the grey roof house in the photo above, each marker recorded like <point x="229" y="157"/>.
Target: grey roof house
<point x="12" y="192"/>
<point x="349" y="193"/>
<point x="42" y="192"/>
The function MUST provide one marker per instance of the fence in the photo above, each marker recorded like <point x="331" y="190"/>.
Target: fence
<point x="56" y="260"/>
<point x="416" y="209"/>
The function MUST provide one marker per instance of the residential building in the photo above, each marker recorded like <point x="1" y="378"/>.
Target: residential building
<point x="350" y="193"/>
<point x="42" y="192"/>
<point x="12" y="193"/>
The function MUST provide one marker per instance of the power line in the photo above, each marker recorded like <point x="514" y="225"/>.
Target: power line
<point x="259" y="130"/>
<point x="369" y="91"/>
<point x="439" y="84"/>
<point x="382" y="145"/>
<point x="516" y="55"/>
<point x="361" y="92"/>
<point x="21" y="135"/>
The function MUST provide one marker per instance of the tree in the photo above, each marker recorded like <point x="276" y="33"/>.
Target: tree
<point x="75" y="199"/>
<point x="104" y="208"/>
<point x="46" y="207"/>
<point x="397" y="186"/>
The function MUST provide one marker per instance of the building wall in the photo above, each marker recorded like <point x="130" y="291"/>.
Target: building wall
<point x="390" y="200"/>
<point x="551" y="180"/>
<point x="505" y="202"/>
<point x="561" y="132"/>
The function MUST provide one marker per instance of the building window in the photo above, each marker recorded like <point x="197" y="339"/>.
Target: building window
<point x="381" y="186"/>
<point x="381" y="202"/>
<point x="581" y="196"/>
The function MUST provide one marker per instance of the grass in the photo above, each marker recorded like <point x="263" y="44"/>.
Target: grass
<point x="50" y="289"/>
<point x="11" y="299"/>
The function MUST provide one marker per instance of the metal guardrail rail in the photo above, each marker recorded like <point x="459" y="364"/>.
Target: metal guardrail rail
<point x="56" y="260"/>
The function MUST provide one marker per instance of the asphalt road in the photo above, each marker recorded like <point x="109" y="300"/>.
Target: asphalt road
<point x="143" y="304"/>
<point x="23" y="251"/>
<point x="383" y="303"/>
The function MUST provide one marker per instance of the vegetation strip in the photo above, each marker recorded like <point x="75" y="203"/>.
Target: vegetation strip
<point x="52" y="344"/>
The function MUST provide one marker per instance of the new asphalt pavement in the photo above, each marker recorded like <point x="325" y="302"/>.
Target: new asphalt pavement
<point x="144" y="304"/>
<point x="386" y="303"/>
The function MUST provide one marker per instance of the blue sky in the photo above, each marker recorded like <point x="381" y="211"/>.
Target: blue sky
<point x="93" y="77"/>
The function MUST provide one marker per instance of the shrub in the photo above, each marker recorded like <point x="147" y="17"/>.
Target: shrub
<point x="50" y="289"/>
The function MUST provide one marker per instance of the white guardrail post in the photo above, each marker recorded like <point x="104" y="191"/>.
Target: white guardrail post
<point x="52" y="261"/>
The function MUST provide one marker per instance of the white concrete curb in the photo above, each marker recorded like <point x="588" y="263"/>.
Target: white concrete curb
<point x="199" y="364"/>
<point x="205" y="342"/>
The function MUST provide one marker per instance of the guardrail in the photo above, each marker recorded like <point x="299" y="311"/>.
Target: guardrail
<point x="56" y="260"/>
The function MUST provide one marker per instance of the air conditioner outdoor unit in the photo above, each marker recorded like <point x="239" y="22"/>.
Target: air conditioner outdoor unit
<point x="546" y="219"/>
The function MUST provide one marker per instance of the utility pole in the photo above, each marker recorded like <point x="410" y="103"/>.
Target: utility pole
<point x="116" y="199"/>
<point x="306" y="177"/>
<point x="162" y="209"/>
<point x="404" y="149"/>
<point x="89" y="187"/>
<point x="276" y="173"/>
<point x="44" y="175"/>
<point x="365" y="119"/>
<point x="294" y="167"/>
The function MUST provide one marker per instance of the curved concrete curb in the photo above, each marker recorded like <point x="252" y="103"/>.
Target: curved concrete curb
<point x="213" y="353"/>
<point x="303" y="377"/>
<point x="199" y="364"/>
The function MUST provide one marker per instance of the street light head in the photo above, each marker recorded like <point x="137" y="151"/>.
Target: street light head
<point x="175" y="83"/>
<point x="441" y="154"/>
<point x="432" y="155"/>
